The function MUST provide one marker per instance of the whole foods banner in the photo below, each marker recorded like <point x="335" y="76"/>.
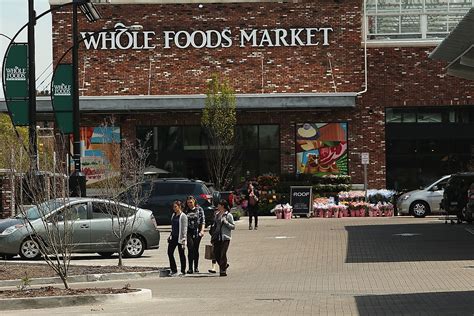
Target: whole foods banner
<point x="321" y="148"/>
<point x="15" y="77"/>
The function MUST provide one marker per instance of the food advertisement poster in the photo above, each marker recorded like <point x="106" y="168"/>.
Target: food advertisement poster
<point x="100" y="151"/>
<point x="321" y="148"/>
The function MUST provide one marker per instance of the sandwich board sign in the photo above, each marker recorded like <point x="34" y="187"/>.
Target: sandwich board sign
<point x="301" y="199"/>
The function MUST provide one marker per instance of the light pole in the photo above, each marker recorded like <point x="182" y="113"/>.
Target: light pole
<point x="32" y="89"/>
<point x="77" y="181"/>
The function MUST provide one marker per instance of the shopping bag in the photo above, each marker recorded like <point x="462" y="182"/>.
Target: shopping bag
<point x="209" y="252"/>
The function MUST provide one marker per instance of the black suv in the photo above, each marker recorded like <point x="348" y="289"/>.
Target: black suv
<point x="455" y="193"/>
<point x="161" y="193"/>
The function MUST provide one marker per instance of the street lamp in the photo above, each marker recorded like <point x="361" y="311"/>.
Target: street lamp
<point x="77" y="181"/>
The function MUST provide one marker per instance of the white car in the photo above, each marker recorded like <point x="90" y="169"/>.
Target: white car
<point x="426" y="201"/>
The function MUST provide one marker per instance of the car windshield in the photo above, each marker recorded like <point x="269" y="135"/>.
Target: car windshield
<point x="440" y="185"/>
<point x="37" y="211"/>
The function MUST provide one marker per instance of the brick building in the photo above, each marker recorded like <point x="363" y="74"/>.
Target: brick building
<point x="315" y="89"/>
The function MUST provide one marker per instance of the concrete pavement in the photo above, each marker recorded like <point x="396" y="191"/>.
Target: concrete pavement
<point x="347" y="266"/>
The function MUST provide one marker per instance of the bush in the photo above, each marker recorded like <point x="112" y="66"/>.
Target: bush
<point x="237" y="214"/>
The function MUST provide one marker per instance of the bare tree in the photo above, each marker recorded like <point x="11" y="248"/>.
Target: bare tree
<point x="125" y="184"/>
<point x="50" y="233"/>
<point x="219" y="119"/>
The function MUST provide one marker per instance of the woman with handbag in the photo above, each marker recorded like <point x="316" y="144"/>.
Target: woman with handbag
<point x="222" y="234"/>
<point x="177" y="238"/>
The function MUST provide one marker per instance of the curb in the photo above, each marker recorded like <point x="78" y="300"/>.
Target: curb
<point x="61" y="301"/>
<point x="86" y="278"/>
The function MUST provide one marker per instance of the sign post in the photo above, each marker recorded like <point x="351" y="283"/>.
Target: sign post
<point x="302" y="200"/>
<point x="365" y="161"/>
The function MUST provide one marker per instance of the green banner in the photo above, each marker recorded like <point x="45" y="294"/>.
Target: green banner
<point x="61" y="96"/>
<point x="15" y="77"/>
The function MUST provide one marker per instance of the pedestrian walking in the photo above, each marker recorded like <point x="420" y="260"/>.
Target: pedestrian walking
<point x="177" y="238"/>
<point x="222" y="234"/>
<point x="252" y="197"/>
<point x="196" y="223"/>
<point x="212" y="228"/>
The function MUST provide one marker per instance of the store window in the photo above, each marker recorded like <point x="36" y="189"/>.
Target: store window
<point x="182" y="150"/>
<point x="456" y="115"/>
<point x="413" y="19"/>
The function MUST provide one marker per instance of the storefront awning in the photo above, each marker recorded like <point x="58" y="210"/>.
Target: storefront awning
<point x="458" y="49"/>
<point x="276" y="101"/>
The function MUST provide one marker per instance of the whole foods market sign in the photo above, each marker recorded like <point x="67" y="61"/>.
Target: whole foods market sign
<point x="122" y="38"/>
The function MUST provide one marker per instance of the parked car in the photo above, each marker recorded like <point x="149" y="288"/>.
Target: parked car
<point x="455" y="196"/>
<point x="91" y="221"/>
<point x="160" y="194"/>
<point x="422" y="202"/>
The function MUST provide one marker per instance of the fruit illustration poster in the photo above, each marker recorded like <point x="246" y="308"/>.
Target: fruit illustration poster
<point x="321" y="148"/>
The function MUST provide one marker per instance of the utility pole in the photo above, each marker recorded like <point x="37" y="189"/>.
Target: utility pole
<point x="33" y="147"/>
<point x="77" y="181"/>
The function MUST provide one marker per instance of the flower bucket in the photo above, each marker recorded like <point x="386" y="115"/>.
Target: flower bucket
<point x="279" y="214"/>
<point x="346" y="213"/>
<point x="353" y="213"/>
<point x="287" y="215"/>
<point x="362" y="212"/>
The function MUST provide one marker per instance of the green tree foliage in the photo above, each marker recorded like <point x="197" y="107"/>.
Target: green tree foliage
<point x="11" y="145"/>
<point x="219" y="118"/>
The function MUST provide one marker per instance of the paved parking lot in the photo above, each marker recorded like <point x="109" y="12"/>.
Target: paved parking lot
<point x="358" y="266"/>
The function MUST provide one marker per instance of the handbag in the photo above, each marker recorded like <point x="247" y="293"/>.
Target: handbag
<point x="209" y="252"/>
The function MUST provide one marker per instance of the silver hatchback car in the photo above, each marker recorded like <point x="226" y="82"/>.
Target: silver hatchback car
<point x="92" y="226"/>
<point x="425" y="201"/>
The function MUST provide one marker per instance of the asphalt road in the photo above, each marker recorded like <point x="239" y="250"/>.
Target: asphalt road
<point x="358" y="266"/>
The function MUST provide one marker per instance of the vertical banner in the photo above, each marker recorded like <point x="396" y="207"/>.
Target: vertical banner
<point x="15" y="78"/>
<point x="61" y="97"/>
<point x="321" y="148"/>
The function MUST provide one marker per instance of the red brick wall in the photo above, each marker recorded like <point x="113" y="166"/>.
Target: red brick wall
<point x="397" y="76"/>
<point x="185" y="71"/>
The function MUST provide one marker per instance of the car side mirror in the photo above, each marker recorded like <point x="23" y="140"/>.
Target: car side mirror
<point x="435" y="188"/>
<point x="216" y="195"/>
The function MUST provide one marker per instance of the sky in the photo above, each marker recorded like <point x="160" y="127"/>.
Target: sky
<point x="13" y="15"/>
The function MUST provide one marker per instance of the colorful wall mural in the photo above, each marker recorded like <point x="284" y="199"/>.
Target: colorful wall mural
<point x="321" y="148"/>
<point x="100" y="151"/>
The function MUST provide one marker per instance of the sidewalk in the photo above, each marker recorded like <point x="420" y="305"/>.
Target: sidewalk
<point x="348" y="266"/>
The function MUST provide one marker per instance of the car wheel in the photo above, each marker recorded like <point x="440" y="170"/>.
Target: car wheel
<point x="29" y="249"/>
<point x="106" y="254"/>
<point x="134" y="247"/>
<point x="419" y="209"/>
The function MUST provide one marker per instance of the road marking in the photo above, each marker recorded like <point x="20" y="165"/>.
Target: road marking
<point x="282" y="237"/>
<point x="407" y="234"/>
<point x="470" y="230"/>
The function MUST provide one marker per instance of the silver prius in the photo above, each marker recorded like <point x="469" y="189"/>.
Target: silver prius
<point x="93" y="225"/>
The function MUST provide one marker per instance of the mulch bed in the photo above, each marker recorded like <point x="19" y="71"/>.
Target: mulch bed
<point x="54" y="291"/>
<point x="16" y="271"/>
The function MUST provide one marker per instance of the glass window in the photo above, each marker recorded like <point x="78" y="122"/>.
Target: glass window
<point x="193" y="138"/>
<point x="269" y="161"/>
<point x="188" y="189"/>
<point x="99" y="210"/>
<point x="170" y="138"/>
<point x="413" y="19"/>
<point x="72" y="213"/>
<point x="248" y="135"/>
<point x="393" y="116"/>
<point x="429" y="117"/>
<point x="163" y="189"/>
<point x="269" y="136"/>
